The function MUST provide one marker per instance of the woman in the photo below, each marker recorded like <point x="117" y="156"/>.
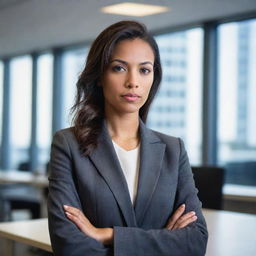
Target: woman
<point x="117" y="187"/>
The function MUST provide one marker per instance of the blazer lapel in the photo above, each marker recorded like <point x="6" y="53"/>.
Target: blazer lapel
<point x="105" y="159"/>
<point x="151" y="157"/>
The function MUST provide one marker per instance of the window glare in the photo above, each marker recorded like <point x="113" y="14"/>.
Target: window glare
<point x="73" y="64"/>
<point x="1" y="97"/>
<point x="44" y="105"/>
<point x="21" y="103"/>
<point x="237" y="90"/>
<point x="177" y="108"/>
<point x="237" y="104"/>
<point x="44" y="96"/>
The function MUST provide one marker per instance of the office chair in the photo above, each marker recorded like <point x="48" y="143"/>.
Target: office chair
<point x="19" y="197"/>
<point x="209" y="182"/>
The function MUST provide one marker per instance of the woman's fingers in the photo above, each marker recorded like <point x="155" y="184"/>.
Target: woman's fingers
<point x="185" y="220"/>
<point x="78" y="218"/>
<point x="177" y="214"/>
<point x="104" y="235"/>
<point x="72" y="210"/>
<point x="73" y="214"/>
<point x="179" y="219"/>
<point x="185" y="223"/>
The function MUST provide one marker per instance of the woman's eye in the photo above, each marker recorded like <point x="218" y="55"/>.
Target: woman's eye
<point x="145" y="71"/>
<point x="118" y="68"/>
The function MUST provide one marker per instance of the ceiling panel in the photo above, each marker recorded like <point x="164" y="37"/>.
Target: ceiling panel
<point x="27" y="25"/>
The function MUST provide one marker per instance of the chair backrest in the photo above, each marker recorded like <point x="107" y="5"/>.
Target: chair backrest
<point x="24" y="166"/>
<point x="209" y="182"/>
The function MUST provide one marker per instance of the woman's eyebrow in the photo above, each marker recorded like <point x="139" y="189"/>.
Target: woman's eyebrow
<point x="126" y="63"/>
<point x="147" y="62"/>
<point x="121" y="61"/>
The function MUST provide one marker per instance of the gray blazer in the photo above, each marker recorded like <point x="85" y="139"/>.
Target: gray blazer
<point x="96" y="185"/>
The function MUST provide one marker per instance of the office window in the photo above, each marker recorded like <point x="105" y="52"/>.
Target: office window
<point x="44" y="106"/>
<point x="1" y="98"/>
<point x="237" y="104"/>
<point x="73" y="64"/>
<point x="178" y="106"/>
<point x="20" y="111"/>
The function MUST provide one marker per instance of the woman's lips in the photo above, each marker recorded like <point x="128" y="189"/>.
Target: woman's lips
<point x="131" y="97"/>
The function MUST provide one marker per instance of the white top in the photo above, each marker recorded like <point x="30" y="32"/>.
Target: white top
<point x="130" y="163"/>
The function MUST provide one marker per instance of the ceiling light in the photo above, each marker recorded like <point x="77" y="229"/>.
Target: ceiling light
<point x="134" y="9"/>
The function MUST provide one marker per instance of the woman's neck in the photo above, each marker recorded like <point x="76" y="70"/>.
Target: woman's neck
<point x="124" y="130"/>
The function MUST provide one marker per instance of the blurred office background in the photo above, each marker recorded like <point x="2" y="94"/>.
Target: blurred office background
<point x="207" y="96"/>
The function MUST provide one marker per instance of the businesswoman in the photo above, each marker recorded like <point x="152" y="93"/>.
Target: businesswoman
<point x="115" y="186"/>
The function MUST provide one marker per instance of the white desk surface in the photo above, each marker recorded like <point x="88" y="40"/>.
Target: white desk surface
<point x="31" y="232"/>
<point x="229" y="233"/>
<point x="19" y="177"/>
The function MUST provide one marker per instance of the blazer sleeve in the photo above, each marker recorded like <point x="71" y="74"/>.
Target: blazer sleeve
<point x="191" y="240"/>
<point x="66" y="238"/>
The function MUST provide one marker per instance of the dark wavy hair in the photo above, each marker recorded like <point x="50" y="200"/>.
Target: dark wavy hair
<point x="88" y="109"/>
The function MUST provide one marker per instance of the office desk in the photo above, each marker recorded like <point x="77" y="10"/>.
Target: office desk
<point x="230" y="234"/>
<point x="40" y="181"/>
<point x="30" y="232"/>
<point x="20" y="177"/>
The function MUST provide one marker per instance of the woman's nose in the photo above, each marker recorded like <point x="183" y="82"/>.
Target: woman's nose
<point x="132" y="81"/>
<point x="131" y="85"/>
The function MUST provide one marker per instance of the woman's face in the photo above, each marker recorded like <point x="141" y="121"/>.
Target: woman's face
<point x="128" y="78"/>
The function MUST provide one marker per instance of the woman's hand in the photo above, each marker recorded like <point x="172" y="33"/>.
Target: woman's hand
<point x="104" y="235"/>
<point x="178" y="220"/>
